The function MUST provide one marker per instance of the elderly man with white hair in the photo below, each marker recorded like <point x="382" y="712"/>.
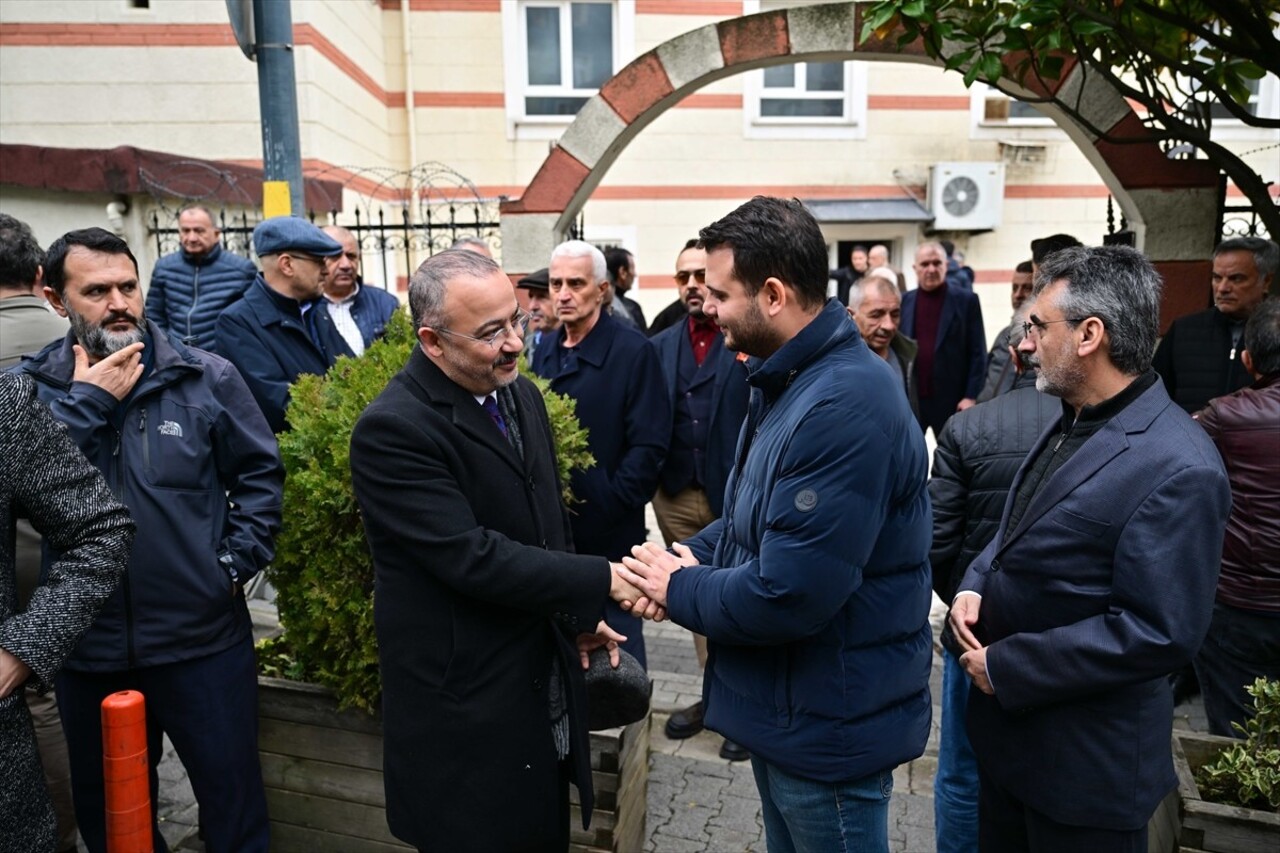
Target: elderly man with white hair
<point x="616" y="378"/>
<point x="876" y="306"/>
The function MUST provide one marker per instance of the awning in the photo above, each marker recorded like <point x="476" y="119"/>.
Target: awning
<point x="126" y="170"/>
<point x="868" y="210"/>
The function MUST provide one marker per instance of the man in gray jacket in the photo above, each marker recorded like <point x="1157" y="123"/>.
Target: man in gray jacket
<point x="26" y="323"/>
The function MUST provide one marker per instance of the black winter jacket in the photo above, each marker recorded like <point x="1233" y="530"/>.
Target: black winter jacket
<point x="1198" y="360"/>
<point x="979" y="452"/>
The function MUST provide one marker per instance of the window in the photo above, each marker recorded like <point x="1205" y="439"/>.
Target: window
<point x="997" y="108"/>
<point x="804" y="100"/>
<point x="568" y="55"/>
<point x="812" y="90"/>
<point x="558" y="53"/>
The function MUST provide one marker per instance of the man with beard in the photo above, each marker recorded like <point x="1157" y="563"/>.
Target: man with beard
<point x="813" y="587"/>
<point x="1001" y="373"/>
<point x="707" y="387"/>
<point x="178" y="436"/>
<point x="282" y="328"/>
<point x="613" y="374"/>
<point x="1099" y="581"/>
<point x="979" y="452"/>
<point x="359" y="312"/>
<point x="477" y="605"/>
<point x="191" y="287"/>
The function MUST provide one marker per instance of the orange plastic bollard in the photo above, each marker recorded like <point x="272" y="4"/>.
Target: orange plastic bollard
<point x="124" y="770"/>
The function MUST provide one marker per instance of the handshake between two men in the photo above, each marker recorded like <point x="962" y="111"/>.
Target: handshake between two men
<point x="639" y="585"/>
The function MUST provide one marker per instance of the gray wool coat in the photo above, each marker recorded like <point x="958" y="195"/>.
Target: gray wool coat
<point x="44" y="476"/>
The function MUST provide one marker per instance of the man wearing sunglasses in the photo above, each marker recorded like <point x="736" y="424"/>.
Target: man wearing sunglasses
<point x="707" y="387"/>
<point x="1100" y="579"/>
<point x="282" y="329"/>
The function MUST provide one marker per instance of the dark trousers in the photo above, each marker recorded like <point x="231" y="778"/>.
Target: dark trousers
<point x="1242" y="645"/>
<point x="1007" y="825"/>
<point x="631" y="627"/>
<point x="209" y="709"/>
<point x="934" y="412"/>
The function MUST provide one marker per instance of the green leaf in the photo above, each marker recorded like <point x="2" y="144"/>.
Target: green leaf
<point x="1087" y="27"/>
<point x="913" y="9"/>
<point x="971" y="74"/>
<point x="992" y="67"/>
<point x="955" y="61"/>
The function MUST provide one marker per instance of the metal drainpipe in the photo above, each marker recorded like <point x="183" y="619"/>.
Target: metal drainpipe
<point x="412" y="124"/>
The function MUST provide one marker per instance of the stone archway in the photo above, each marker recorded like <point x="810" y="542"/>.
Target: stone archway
<point x="1171" y="204"/>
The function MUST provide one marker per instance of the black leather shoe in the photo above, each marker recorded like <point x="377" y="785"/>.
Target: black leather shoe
<point x="685" y="724"/>
<point x="731" y="751"/>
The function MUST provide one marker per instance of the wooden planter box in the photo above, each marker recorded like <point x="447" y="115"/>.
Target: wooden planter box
<point x="1184" y="823"/>
<point x="323" y="773"/>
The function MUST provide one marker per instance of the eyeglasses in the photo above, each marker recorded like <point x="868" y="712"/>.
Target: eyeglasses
<point x="682" y="277"/>
<point x="1038" y="325"/>
<point x="514" y="326"/>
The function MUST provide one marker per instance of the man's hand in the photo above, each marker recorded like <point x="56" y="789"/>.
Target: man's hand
<point x="964" y="615"/>
<point x="965" y="403"/>
<point x="975" y="664"/>
<point x="649" y="568"/>
<point x="633" y="600"/>
<point x="604" y="636"/>
<point x="13" y="673"/>
<point x="116" y="374"/>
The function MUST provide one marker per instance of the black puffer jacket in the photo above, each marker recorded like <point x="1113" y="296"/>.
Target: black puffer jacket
<point x="1198" y="359"/>
<point x="979" y="452"/>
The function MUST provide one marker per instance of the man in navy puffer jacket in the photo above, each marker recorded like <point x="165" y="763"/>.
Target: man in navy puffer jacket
<point x="813" y="588"/>
<point x="190" y="288"/>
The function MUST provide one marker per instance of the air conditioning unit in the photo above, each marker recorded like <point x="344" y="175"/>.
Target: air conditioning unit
<point x="966" y="196"/>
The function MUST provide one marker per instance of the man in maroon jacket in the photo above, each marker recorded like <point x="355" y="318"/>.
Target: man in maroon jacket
<point x="1244" y="637"/>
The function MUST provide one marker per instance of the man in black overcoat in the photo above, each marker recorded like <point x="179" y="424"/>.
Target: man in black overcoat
<point x="477" y="600"/>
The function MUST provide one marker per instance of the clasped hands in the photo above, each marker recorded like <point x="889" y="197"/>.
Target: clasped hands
<point x="964" y="615"/>
<point x="642" y="578"/>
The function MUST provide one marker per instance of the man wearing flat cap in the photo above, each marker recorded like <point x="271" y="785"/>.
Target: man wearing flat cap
<point x="282" y="329"/>
<point x="543" y="319"/>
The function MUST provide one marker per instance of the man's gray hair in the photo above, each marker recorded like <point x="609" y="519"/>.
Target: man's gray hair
<point x="1117" y="285"/>
<point x="478" y="242"/>
<point x="583" y="249"/>
<point x="936" y="246"/>
<point x="428" y="285"/>
<point x="1262" y="337"/>
<point x="872" y="278"/>
<point x="1266" y="254"/>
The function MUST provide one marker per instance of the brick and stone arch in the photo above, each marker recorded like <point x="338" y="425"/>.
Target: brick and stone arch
<point x="1170" y="204"/>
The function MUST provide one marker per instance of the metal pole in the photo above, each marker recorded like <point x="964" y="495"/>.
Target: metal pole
<point x="278" y="102"/>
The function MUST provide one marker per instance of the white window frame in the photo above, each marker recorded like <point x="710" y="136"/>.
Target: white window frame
<point x="851" y="125"/>
<point x="521" y="125"/>
<point x="980" y="127"/>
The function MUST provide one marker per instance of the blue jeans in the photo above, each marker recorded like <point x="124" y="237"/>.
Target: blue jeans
<point x="805" y="816"/>
<point x="955" y="785"/>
